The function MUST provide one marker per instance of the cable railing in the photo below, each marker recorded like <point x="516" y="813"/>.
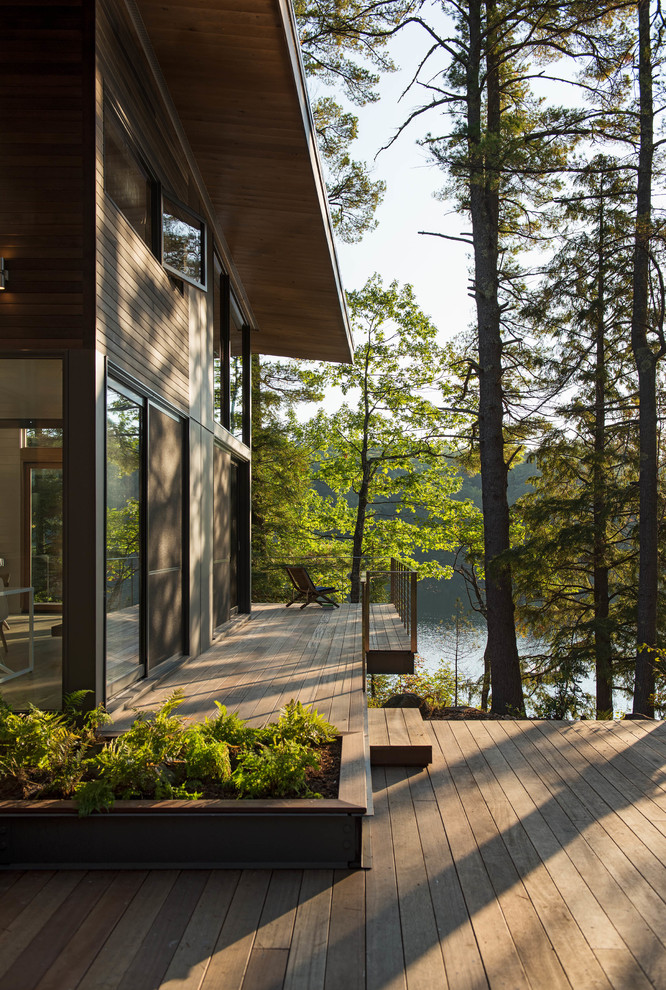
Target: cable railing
<point x="269" y="581"/>
<point x="401" y="583"/>
<point x="403" y="596"/>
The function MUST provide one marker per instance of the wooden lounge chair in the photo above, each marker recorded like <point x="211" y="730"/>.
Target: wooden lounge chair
<point x="304" y="587"/>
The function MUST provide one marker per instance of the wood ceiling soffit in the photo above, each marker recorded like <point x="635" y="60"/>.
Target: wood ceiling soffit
<point x="250" y="135"/>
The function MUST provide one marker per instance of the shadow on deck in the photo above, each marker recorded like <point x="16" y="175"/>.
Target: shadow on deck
<point x="529" y="855"/>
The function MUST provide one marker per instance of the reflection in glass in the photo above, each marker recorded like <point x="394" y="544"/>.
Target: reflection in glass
<point x="236" y="396"/>
<point x="31" y="531"/>
<point x="217" y="354"/>
<point x="46" y="534"/>
<point x="38" y="436"/>
<point x="182" y="242"/>
<point x="125" y="181"/>
<point x="124" y="438"/>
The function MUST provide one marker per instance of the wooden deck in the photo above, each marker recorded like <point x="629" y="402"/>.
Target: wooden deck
<point x="387" y="631"/>
<point x="529" y="855"/>
<point x="312" y="655"/>
<point x="398" y="737"/>
<point x="389" y="645"/>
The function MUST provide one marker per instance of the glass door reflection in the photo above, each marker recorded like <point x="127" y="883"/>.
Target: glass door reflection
<point x="125" y="656"/>
<point x="45" y="527"/>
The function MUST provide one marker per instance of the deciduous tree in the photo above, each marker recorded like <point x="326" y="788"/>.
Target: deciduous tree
<point x="382" y="453"/>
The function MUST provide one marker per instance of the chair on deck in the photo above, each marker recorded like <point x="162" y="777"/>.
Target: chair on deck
<point x="304" y="587"/>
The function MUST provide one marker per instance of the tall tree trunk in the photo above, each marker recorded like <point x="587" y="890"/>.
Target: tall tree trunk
<point x="366" y="478"/>
<point x="602" y="644"/>
<point x="357" y="545"/>
<point x="501" y="648"/>
<point x="645" y="359"/>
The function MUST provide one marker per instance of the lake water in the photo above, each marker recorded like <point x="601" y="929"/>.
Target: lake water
<point x="436" y="641"/>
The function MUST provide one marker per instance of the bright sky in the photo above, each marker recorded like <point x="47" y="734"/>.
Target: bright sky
<point x="437" y="269"/>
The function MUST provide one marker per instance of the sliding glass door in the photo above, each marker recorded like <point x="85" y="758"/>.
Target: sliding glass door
<point x="125" y="485"/>
<point x="145" y="609"/>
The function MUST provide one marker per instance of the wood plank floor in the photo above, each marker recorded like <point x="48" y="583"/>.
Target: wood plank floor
<point x="312" y="655"/>
<point x="387" y="631"/>
<point x="528" y="855"/>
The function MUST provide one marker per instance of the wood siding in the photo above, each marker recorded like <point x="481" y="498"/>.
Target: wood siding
<point x="142" y="319"/>
<point x="46" y="208"/>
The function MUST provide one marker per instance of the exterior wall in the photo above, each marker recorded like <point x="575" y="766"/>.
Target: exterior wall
<point x="47" y="53"/>
<point x="160" y="337"/>
<point x="142" y="320"/>
<point x="85" y="287"/>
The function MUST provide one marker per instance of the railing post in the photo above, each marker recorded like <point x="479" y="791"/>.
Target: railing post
<point x="413" y="613"/>
<point x="365" y="612"/>
<point x="365" y="627"/>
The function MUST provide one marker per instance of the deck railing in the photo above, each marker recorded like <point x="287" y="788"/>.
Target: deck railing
<point x="402" y="584"/>
<point x="270" y="582"/>
<point x="403" y="596"/>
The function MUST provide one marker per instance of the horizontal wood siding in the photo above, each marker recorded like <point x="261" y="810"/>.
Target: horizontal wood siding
<point x="46" y="58"/>
<point x="142" y="319"/>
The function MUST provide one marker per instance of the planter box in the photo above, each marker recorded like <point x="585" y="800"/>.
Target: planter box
<point x="273" y="833"/>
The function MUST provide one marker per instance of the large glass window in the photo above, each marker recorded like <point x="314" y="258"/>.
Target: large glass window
<point x="230" y="360"/>
<point x="219" y="319"/>
<point x="126" y="180"/>
<point x="124" y="487"/>
<point x="183" y="242"/>
<point x="236" y="370"/>
<point x="31" y="532"/>
<point x="144" y="537"/>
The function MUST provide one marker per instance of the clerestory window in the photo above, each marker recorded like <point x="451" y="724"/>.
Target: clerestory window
<point x="127" y="180"/>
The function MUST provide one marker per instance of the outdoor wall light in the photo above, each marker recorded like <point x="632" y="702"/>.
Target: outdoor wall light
<point x="4" y="275"/>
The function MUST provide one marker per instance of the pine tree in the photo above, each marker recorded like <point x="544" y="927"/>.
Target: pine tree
<point x="573" y="567"/>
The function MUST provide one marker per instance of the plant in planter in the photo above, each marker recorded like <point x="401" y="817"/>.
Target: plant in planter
<point x="160" y="757"/>
<point x="44" y="753"/>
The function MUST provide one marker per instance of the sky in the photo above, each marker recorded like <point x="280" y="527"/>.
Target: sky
<point x="437" y="269"/>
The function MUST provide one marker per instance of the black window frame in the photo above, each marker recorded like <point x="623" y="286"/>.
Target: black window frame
<point x="154" y="243"/>
<point x="244" y="435"/>
<point x="193" y="215"/>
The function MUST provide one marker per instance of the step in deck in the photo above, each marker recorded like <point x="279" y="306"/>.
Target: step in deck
<point x="398" y="738"/>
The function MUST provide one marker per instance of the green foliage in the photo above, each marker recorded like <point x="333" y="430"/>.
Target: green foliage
<point x="40" y="751"/>
<point x="159" y="757"/>
<point x="205" y="758"/>
<point x="353" y="196"/>
<point x="275" y="771"/>
<point x="436" y="687"/>
<point x="229" y="728"/>
<point x="344" y="45"/>
<point x="382" y="456"/>
<point x="300" y="724"/>
<point x="94" y="795"/>
<point x="281" y="475"/>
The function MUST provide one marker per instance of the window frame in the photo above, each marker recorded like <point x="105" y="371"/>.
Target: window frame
<point x="154" y="244"/>
<point x="187" y="212"/>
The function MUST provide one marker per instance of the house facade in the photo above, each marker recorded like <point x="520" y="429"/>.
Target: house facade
<point x="162" y="218"/>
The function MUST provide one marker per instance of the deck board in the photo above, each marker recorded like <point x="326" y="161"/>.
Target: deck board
<point x="525" y="855"/>
<point x="387" y="630"/>
<point x="313" y="656"/>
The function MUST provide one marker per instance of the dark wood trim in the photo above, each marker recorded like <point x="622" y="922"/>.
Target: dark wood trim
<point x="244" y="537"/>
<point x="225" y="350"/>
<point x="400" y="756"/>
<point x="83" y="524"/>
<point x="247" y="386"/>
<point x="390" y="661"/>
